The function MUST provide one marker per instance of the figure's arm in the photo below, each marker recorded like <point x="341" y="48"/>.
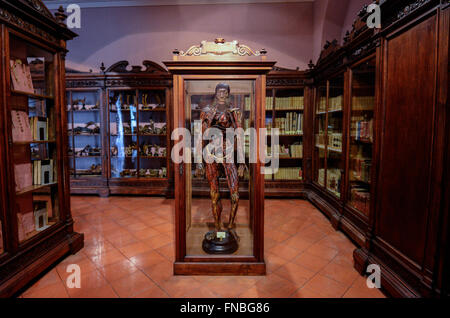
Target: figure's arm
<point x="237" y="118"/>
<point x="206" y="116"/>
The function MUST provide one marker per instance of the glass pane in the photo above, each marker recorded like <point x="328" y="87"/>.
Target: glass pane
<point x="123" y="133"/>
<point x="35" y="164"/>
<point x="86" y="130"/>
<point x="361" y="135"/>
<point x="320" y="129"/>
<point x="335" y="162"/>
<point x="289" y="107"/>
<point x="152" y="134"/>
<point x="70" y="137"/>
<point x="221" y="222"/>
<point x="31" y="68"/>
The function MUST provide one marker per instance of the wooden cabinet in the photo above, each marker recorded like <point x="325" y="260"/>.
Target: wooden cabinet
<point x="231" y="79"/>
<point x="36" y="224"/>
<point x="86" y="117"/>
<point x="393" y="192"/>
<point x="129" y="131"/>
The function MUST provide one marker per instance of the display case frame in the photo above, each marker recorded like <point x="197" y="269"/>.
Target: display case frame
<point x="36" y="31"/>
<point x="218" y="66"/>
<point x="78" y="82"/>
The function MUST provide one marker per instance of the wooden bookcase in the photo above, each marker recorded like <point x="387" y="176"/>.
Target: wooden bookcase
<point x="392" y="194"/>
<point x="36" y="223"/>
<point x="285" y="104"/>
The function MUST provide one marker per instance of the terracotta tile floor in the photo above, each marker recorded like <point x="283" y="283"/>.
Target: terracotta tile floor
<point x="129" y="251"/>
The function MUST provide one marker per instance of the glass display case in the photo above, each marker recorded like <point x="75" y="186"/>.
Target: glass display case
<point x="320" y="125"/>
<point x="287" y="111"/>
<point x="335" y="158"/>
<point x="138" y="133"/>
<point x="215" y="98"/>
<point x="84" y="118"/>
<point x="36" y="227"/>
<point x="34" y="151"/>
<point x="361" y="137"/>
<point x="231" y="211"/>
<point x="328" y="129"/>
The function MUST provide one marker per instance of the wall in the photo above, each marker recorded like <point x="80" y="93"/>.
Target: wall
<point x="138" y="33"/>
<point x="293" y="33"/>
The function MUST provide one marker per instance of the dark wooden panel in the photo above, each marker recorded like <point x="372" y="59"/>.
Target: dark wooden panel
<point x="409" y="101"/>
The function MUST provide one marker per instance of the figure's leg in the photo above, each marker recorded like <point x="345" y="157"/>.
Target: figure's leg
<point x="233" y="185"/>
<point x="212" y="174"/>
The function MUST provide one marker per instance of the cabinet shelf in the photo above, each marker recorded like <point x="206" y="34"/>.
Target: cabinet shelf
<point x="34" y="188"/>
<point x="32" y="95"/>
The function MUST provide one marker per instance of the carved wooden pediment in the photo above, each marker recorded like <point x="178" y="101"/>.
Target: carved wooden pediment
<point x="220" y="48"/>
<point x="328" y="49"/>
<point x="150" y="67"/>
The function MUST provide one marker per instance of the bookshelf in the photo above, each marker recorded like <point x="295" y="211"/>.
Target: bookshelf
<point x="36" y="228"/>
<point x="285" y="110"/>
<point x="361" y="136"/>
<point x="328" y="131"/>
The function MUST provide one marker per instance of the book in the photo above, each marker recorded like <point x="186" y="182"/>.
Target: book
<point x="21" y="130"/>
<point x="39" y="128"/>
<point x="23" y="176"/>
<point x="46" y="171"/>
<point x="21" y="77"/>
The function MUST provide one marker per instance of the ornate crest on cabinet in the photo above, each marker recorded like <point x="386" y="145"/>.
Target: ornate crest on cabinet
<point x="359" y="25"/>
<point x="397" y="11"/>
<point x="280" y="76"/>
<point x="219" y="47"/>
<point x="329" y="49"/>
<point x="15" y="12"/>
<point x="150" y="68"/>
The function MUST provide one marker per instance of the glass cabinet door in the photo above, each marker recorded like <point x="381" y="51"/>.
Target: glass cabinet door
<point x="85" y="140"/>
<point x="335" y="159"/>
<point x="33" y="131"/>
<point x="152" y="133"/>
<point x="222" y="221"/>
<point x="361" y="135"/>
<point x="123" y="129"/>
<point x="320" y="135"/>
<point x="289" y="105"/>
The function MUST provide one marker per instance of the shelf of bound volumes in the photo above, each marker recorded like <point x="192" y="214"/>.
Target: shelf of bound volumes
<point x="34" y="149"/>
<point x="285" y="112"/>
<point x="361" y="136"/>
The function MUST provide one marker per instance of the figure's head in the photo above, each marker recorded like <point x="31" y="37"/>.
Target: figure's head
<point x="222" y="93"/>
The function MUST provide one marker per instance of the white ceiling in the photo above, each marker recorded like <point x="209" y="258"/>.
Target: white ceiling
<point x="54" y="4"/>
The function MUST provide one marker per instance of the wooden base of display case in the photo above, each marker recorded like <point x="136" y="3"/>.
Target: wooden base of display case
<point x="220" y="269"/>
<point x="17" y="272"/>
<point x="339" y="217"/>
<point x="391" y="282"/>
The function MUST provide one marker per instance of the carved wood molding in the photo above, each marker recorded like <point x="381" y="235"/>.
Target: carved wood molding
<point x="137" y="82"/>
<point x="31" y="28"/>
<point x="83" y="83"/>
<point x="220" y="47"/>
<point x="150" y="67"/>
<point x="39" y="7"/>
<point x="328" y="49"/>
<point x="358" y="26"/>
<point x="285" y="82"/>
